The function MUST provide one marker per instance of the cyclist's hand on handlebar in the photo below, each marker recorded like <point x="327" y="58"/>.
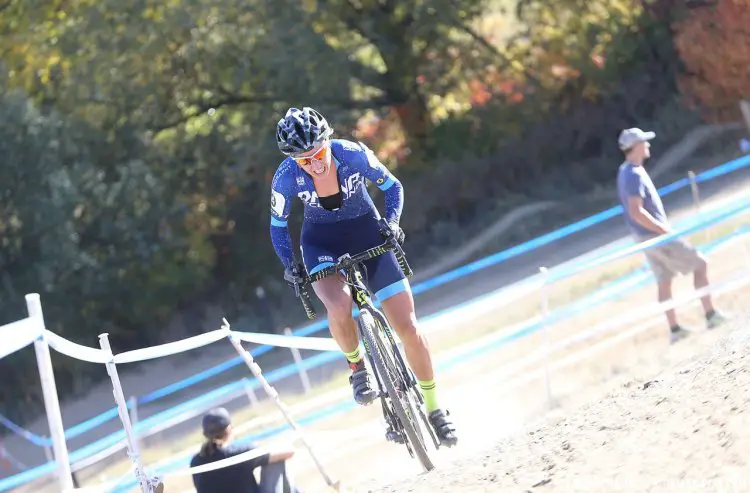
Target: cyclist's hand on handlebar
<point x="388" y="228"/>
<point x="397" y="232"/>
<point x="294" y="275"/>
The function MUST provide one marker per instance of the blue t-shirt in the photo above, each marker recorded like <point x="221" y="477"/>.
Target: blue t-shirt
<point x="354" y="162"/>
<point x="634" y="181"/>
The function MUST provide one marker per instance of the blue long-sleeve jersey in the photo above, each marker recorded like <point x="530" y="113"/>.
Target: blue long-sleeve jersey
<point x="354" y="162"/>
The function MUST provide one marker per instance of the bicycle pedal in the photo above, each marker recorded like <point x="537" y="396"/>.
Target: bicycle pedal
<point x="394" y="436"/>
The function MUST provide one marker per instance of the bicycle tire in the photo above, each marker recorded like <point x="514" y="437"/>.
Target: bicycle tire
<point x="378" y="355"/>
<point x="414" y="394"/>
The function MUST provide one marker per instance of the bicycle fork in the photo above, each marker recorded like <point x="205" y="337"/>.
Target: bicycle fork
<point x="392" y="432"/>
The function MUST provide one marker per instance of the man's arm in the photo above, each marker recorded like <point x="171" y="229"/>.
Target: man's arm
<point x="640" y="215"/>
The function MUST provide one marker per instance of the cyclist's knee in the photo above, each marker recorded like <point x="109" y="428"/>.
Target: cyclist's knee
<point x="339" y="308"/>
<point x="408" y="329"/>
<point x="336" y="298"/>
<point x="410" y="333"/>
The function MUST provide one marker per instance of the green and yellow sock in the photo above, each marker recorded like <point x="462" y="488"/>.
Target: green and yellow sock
<point x="430" y="395"/>
<point x="354" y="357"/>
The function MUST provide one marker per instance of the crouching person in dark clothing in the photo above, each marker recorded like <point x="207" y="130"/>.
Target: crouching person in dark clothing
<point x="238" y="478"/>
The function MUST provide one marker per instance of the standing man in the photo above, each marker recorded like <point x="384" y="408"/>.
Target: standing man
<point x="645" y="216"/>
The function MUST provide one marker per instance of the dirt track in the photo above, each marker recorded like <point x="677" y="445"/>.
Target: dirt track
<point x="683" y="429"/>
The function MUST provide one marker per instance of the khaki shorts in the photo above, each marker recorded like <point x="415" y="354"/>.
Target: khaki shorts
<point x="672" y="258"/>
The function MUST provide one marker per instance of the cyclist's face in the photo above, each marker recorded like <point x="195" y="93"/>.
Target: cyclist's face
<point x="317" y="161"/>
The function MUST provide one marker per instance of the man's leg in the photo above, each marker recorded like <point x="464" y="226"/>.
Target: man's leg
<point x="665" y="294"/>
<point x="700" y="280"/>
<point x="399" y="308"/>
<point x="336" y="297"/>
<point x="684" y="258"/>
<point x="275" y="479"/>
<point x="661" y="260"/>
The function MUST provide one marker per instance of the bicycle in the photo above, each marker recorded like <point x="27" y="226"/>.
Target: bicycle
<point x="402" y="402"/>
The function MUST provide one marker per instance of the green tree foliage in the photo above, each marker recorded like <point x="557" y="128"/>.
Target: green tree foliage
<point x="404" y="51"/>
<point x="138" y="136"/>
<point x="582" y="71"/>
<point x="91" y="243"/>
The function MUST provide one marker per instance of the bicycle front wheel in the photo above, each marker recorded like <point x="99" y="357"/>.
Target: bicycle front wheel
<point x="384" y="361"/>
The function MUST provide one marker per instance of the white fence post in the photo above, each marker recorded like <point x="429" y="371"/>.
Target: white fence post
<point x="133" y="401"/>
<point x="745" y="249"/>
<point x="49" y="391"/>
<point x="271" y="392"/>
<point x="696" y="199"/>
<point x="147" y="484"/>
<point x="250" y="392"/>
<point x="8" y="457"/>
<point x="48" y="454"/>
<point x="694" y="190"/>
<point x="133" y="409"/>
<point x="545" y="333"/>
<point x="745" y="108"/>
<point x="298" y="362"/>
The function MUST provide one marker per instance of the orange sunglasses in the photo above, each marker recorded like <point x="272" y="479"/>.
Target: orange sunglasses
<point x="318" y="156"/>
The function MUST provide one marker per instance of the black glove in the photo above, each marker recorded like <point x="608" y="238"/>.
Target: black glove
<point x="397" y="232"/>
<point x="391" y="228"/>
<point x="294" y="275"/>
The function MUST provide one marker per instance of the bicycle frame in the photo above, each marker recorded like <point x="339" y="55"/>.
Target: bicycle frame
<point x="349" y="267"/>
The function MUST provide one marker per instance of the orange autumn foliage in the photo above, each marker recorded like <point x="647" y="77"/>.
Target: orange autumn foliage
<point x="714" y="44"/>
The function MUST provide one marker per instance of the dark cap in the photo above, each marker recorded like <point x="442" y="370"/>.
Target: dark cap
<point x="215" y="422"/>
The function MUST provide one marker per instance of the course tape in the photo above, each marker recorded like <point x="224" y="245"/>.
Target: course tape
<point x="462" y="271"/>
<point x="299" y="342"/>
<point x="32" y="437"/>
<point x="17" y="335"/>
<point x="494" y="341"/>
<point x="710" y="219"/>
<point x="616" y="288"/>
<point x="505" y="338"/>
<point x="76" y="351"/>
<point x="170" y="348"/>
<point x="421" y="287"/>
<point x="535" y="324"/>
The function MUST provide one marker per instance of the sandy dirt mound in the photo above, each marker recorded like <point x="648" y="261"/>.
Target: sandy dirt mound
<point x="684" y="429"/>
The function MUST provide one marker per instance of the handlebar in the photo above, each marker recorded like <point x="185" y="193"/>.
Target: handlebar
<point x="347" y="261"/>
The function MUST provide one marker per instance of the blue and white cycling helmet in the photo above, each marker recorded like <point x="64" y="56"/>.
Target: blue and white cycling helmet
<point x="300" y="130"/>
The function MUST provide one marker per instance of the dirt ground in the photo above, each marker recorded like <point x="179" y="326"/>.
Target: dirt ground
<point x="500" y="393"/>
<point x="140" y="379"/>
<point x="683" y="429"/>
<point x="490" y="398"/>
<point x="504" y="390"/>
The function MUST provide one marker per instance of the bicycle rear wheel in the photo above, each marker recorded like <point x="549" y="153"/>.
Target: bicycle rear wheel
<point x="398" y="391"/>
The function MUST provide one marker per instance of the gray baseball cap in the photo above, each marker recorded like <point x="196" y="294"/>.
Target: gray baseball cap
<point x="215" y="422"/>
<point x="631" y="136"/>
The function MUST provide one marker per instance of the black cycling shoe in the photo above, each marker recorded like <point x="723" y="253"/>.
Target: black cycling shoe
<point x="394" y="436"/>
<point x="444" y="428"/>
<point x="360" y="382"/>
